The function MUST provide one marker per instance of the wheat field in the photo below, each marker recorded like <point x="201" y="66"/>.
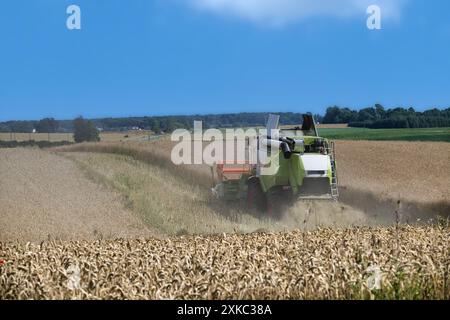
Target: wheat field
<point x="375" y="177"/>
<point x="119" y="221"/>
<point x="360" y="263"/>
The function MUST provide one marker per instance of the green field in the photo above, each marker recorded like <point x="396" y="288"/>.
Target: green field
<point x="423" y="134"/>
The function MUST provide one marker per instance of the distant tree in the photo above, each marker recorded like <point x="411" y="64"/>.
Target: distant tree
<point x="367" y="114"/>
<point x="340" y="115"/>
<point x="155" y="126"/>
<point x="84" y="130"/>
<point x="171" y="125"/>
<point x="47" y="125"/>
<point x="379" y="111"/>
<point x="432" y="113"/>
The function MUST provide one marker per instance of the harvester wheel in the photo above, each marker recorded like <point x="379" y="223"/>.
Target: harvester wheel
<point x="256" y="199"/>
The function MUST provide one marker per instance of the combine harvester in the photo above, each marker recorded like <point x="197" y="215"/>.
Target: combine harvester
<point x="303" y="166"/>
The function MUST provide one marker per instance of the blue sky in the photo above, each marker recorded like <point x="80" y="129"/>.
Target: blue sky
<point x="158" y="57"/>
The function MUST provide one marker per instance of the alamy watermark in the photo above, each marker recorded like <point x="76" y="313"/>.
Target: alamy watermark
<point x="229" y="146"/>
<point x="374" y="19"/>
<point x="73" y="21"/>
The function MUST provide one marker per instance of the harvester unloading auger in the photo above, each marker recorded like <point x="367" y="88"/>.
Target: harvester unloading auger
<point x="292" y="163"/>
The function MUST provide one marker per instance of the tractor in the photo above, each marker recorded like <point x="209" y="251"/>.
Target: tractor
<point x="291" y="163"/>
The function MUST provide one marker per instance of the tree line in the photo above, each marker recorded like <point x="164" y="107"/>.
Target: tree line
<point x="377" y="117"/>
<point x="372" y="117"/>
<point x="83" y="130"/>
<point x="158" y="124"/>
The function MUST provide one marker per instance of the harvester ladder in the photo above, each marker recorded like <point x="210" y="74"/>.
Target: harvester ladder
<point x="334" y="178"/>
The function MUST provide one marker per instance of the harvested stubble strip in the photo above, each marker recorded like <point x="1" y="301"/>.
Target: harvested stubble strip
<point x="323" y="264"/>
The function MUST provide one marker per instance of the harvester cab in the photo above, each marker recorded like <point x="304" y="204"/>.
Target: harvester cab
<point x="288" y="162"/>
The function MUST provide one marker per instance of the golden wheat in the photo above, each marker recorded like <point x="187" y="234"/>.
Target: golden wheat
<point x="413" y="263"/>
<point x="43" y="196"/>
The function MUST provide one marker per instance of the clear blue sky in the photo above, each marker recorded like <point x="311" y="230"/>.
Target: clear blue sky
<point x="158" y="57"/>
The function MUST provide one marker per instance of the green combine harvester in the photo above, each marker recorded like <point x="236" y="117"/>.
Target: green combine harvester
<point x="291" y="163"/>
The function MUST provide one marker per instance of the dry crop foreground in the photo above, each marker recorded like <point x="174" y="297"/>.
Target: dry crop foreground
<point x="404" y="263"/>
